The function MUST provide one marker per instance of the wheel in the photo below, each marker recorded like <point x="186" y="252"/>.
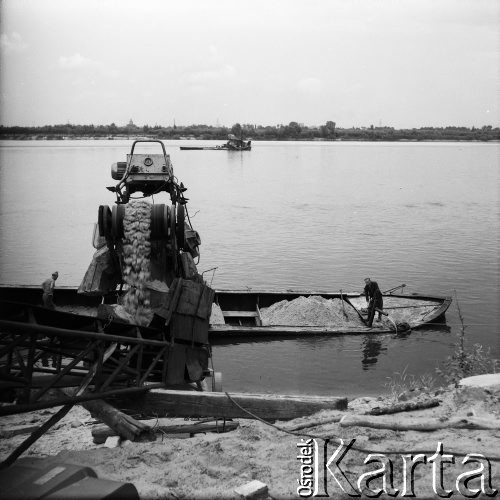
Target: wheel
<point x="166" y="220"/>
<point x="104" y="220"/>
<point x="117" y="215"/>
<point x="172" y="243"/>
<point x="157" y="222"/>
<point x="179" y="226"/>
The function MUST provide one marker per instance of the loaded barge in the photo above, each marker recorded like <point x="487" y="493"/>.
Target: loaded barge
<point x="243" y="312"/>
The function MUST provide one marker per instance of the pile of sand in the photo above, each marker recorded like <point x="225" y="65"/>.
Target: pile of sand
<point x="216" y="317"/>
<point x="136" y="253"/>
<point x="310" y="311"/>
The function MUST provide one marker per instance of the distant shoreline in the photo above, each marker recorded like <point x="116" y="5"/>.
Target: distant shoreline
<point x="137" y="137"/>
<point x="292" y="132"/>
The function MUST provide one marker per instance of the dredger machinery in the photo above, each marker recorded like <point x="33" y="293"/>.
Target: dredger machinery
<point x="143" y="175"/>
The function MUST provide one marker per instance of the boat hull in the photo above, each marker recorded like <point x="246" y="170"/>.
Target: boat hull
<point x="199" y="148"/>
<point x="216" y="148"/>
<point x="241" y="310"/>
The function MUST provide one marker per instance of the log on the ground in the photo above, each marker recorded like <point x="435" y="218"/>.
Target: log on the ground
<point x="16" y="430"/>
<point x="101" y="432"/>
<point x="420" y="424"/>
<point x="217" y="404"/>
<point x="123" y="425"/>
<point x="417" y="404"/>
<point x="316" y="423"/>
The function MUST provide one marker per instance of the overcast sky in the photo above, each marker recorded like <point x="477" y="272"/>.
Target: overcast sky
<point x="401" y="63"/>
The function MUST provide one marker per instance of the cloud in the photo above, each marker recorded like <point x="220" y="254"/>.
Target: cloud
<point x="210" y="67"/>
<point x="310" y="85"/>
<point x="77" y="62"/>
<point x="224" y="72"/>
<point x="12" y="43"/>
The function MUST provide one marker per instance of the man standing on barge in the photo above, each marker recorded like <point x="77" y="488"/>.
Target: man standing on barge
<point x="48" y="291"/>
<point x="374" y="298"/>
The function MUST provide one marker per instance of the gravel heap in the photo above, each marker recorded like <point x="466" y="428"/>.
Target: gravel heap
<point x="136" y="254"/>
<point x="309" y="311"/>
<point x="216" y="317"/>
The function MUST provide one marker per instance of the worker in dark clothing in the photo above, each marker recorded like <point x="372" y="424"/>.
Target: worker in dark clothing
<point x="374" y="298"/>
<point x="48" y="291"/>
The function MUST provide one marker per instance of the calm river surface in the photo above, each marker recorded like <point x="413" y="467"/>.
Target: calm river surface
<point x="289" y="215"/>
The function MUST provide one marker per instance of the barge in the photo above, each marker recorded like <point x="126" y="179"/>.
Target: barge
<point x="243" y="312"/>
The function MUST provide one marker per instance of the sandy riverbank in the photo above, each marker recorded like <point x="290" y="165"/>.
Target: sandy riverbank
<point x="213" y="465"/>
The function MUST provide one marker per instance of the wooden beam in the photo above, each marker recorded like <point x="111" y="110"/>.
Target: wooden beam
<point x="216" y="404"/>
<point x="252" y="332"/>
<point x="123" y="425"/>
<point x="240" y="314"/>
<point x="101" y="432"/>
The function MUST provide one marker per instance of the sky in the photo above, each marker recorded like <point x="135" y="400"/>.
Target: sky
<point x="397" y="63"/>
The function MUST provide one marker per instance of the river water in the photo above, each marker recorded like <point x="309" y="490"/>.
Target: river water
<point x="289" y="215"/>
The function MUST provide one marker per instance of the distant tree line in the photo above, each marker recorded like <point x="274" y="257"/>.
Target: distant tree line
<point x="293" y="131"/>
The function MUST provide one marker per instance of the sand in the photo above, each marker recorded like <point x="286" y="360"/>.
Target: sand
<point x="212" y="465"/>
<point x="310" y="311"/>
<point x="216" y="316"/>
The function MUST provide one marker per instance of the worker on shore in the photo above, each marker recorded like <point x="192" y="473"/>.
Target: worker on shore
<point x="374" y="298"/>
<point x="48" y="291"/>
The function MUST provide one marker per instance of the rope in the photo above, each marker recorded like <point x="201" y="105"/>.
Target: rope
<point x="339" y="440"/>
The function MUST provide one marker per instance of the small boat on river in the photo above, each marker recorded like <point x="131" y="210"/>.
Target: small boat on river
<point x="247" y="313"/>
<point x="233" y="144"/>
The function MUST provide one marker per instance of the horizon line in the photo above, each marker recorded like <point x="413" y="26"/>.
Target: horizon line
<point x="253" y="125"/>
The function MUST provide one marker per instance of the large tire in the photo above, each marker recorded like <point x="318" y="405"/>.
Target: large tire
<point x="100" y="224"/>
<point x="166" y="220"/>
<point x="172" y="240"/>
<point x="104" y="220"/>
<point x="157" y="222"/>
<point x="117" y="215"/>
<point x="179" y="226"/>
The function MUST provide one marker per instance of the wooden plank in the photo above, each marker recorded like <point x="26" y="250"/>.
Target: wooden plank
<point x="217" y="404"/>
<point x="258" y="319"/>
<point x="166" y="310"/>
<point x="240" y="314"/>
<point x="256" y="331"/>
<point x="188" y="266"/>
<point x="176" y="364"/>
<point x="190" y="328"/>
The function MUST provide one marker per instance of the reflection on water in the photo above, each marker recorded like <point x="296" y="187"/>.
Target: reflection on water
<point x="372" y="347"/>
<point x="315" y="216"/>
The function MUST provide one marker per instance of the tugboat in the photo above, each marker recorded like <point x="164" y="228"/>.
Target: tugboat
<point x="232" y="144"/>
<point x="235" y="144"/>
